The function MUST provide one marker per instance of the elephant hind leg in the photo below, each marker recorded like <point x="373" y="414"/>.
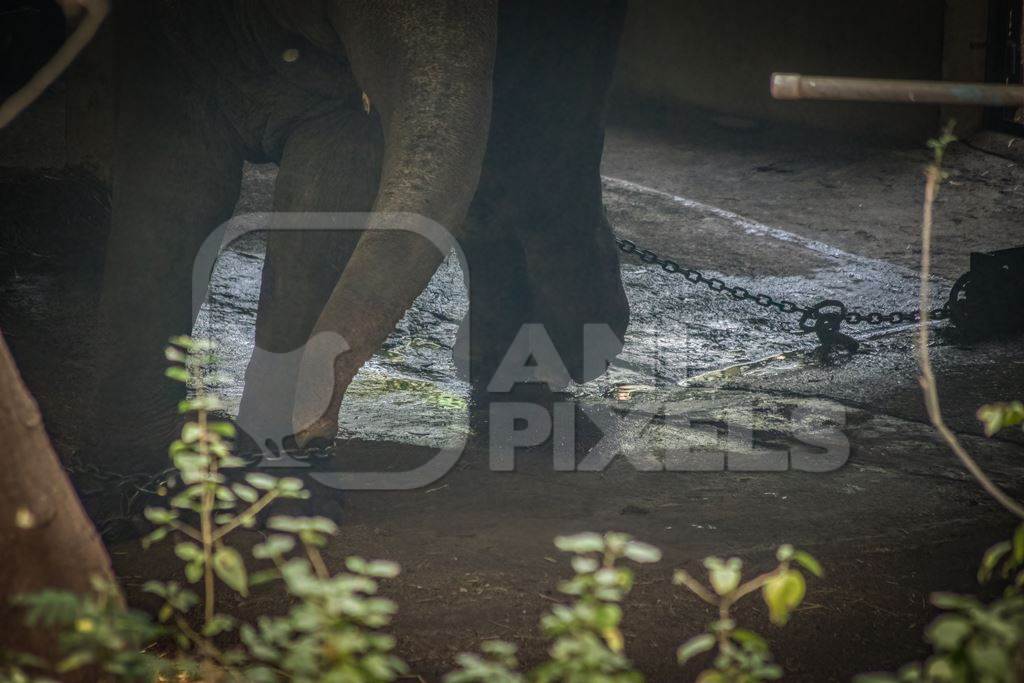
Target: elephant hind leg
<point x="541" y="185"/>
<point x="330" y="164"/>
<point x="177" y="174"/>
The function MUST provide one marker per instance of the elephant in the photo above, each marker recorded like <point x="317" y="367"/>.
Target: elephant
<point x="486" y="117"/>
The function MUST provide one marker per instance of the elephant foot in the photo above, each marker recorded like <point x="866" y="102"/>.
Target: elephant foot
<point x="318" y="435"/>
<point x="581" y="302"/>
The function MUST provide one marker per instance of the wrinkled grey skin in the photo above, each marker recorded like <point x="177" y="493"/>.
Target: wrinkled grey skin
<point x="487" y="118"/>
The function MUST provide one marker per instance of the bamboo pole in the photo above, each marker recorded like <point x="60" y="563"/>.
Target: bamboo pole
<point x="798" y="87"/>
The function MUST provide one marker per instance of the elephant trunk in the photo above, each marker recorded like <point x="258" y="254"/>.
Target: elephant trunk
<point x="427" y="69"/>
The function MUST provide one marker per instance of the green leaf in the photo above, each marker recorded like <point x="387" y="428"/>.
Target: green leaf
<point x="219" y="624"/>
<point x="183" y="341"/>
<point x="264" y="482"/>
<point x="1018" y="545"/>
<point x="989" y="659"/>
<point x="246" y="494"/>
<point x="264" y="576"/>
<point x="998" y="416"/>
<point x="295" y="525"/>
<point x="225" y="429"/>
<point x="783" y="594"/>
<point x="750" y="640"/>
<point x="191" y="432"/>
<point x="940" y="669"/>
<point x="275" y="546"/>
<point x="290" y="485"/>
<point x="952" y="601"/>
<point x="193" y="571"/>
<point x="155" y="536"/>
<point x="498" y="648"/>
<point x="724" y="575"/>
<point x="695" y="646"/>
<point x="785" y="552"/>
<point x="189" y="552"/>
<point x="382" y="569"/>
<point x="177" y="373"/>
<point x="642" y="553"/>
<point x="808" y="562"/>
<point x="607" y="616"/>
<point x="580" y="544"/>
<point x="948" y="631"/>
<point x="159" y="515"/>
<point x="75" y="660"/>
<point x="585" y="565"/>
<point x="230" y="568"/>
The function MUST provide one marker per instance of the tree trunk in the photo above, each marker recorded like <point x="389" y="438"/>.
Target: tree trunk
<point x="46" y="538"/>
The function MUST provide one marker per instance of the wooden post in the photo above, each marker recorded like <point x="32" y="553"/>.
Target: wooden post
<point x="46" y="538"/>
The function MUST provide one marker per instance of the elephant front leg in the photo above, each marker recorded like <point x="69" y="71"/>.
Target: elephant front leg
<point x="331" y="164"/>
<point x="427" y="68"/>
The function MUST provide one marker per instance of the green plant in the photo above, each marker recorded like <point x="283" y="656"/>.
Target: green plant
<point x="587" y="643"/>
<point x="334" y="628"/>
<point x="95" y="631"/>
<point x="742" y="655"/>
<point x="497" y="663"/>
<point x="331" y="633"/>
<point x="999" y="416"/>
<point x="971" y="642"/>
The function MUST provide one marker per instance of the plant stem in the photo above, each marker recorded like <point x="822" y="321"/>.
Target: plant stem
<point x="317" y="561"/>
<point x="754" y="584"/>
<point x="697" y="588"/>
<point x="927" y="379"/>
<point x="194" y="534"/>
<point x="241" y="519"/>
<point x="206" y="515"/>
<point x="207" y="647"/>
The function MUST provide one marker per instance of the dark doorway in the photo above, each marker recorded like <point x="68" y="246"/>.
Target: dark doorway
<point x="1006" y="59"/>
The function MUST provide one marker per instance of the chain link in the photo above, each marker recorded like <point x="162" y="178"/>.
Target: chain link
<point x="825" y="317"/>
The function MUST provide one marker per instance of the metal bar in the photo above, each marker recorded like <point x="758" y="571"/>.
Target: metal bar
<point x="798" y="87"/>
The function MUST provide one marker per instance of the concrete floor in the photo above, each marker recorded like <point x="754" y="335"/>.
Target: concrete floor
<point x="795" y="213"/>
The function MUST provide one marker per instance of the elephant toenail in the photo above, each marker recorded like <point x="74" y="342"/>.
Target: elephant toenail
<point x="290" y="55"/>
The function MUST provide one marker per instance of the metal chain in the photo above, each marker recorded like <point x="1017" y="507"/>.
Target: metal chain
<point x="824" y="318"/>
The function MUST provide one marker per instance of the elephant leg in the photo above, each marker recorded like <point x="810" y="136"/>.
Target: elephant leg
<point x="500" y="301"/>
<point x="541" y="187"/>
<point x="329" y="164"/>
<point x="427" y="68"/>
<point x="177" y="173"/>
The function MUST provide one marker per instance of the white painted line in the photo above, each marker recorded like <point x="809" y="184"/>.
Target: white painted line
<point x="756" y="228"/>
